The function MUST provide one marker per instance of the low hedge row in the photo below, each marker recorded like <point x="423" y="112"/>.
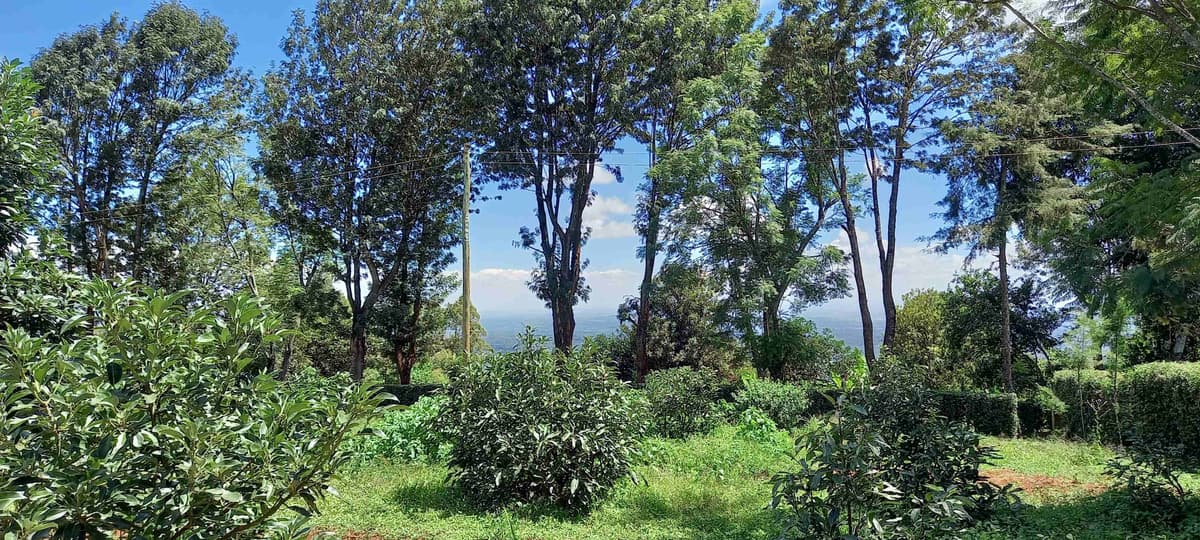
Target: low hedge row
<point x="988" y="413"/>
<point x="991" y="414"/>
<point x="1093" y="410"/>
<point x="1158" y="402"/>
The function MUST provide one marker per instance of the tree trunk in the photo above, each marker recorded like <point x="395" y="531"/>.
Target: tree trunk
<point x="285" y="365"/>
<point x="860" y="284"/>
<point x="642" y="336"/>
<point x="770" y="321"/>
<point x="1002" y="258"/>
<point x="405" y="355"/>
<point x="358" y="345"/>
<point x="563" y="315"/>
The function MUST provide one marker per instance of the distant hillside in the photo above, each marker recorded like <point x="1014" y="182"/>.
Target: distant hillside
<point x="503" y="328"/>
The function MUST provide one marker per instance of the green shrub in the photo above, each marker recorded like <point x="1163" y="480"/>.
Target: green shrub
<point x="1150" y="474"/>
<point x="1040" y="411"/>
<point x="1164" y="404"/>
<point x="408" y="394"/>
<point x="404" y="435"/>
<point x="1093" y="412"/>
<point x="535" y="425"/>
<point x="681" y="401"/>
<point x="886" y="465"/>
<point x="785" y="404"/>
<point x="799" y="351"/>
<point x="755" y="425"/>
<point x="992" y="414"/>
<point x="144" y="416"/>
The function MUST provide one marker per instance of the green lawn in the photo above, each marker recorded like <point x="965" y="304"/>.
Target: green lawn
<point x="715" y="487"/>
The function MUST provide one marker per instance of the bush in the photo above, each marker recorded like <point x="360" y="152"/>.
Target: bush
<point x="799" y="351"/>
<point x="886" y="465"/>
<point x="1150" y="474"/>
<point x="755" y="425"/>
<point x="1093" y="412"/>
<point x="785" y="404"/>
<point x="535" y="425"/>
<point x="992" y="414"/>
<point x="1164" y="404"/>
<point x="1040" y="412"/>
<point x="404" y="435"/>
<point x="681" y="401"/>
<point x="144" y="417"/>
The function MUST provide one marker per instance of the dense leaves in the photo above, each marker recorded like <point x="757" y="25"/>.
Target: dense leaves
<point x="143" y="416"/>
<point x="538" y="425"/>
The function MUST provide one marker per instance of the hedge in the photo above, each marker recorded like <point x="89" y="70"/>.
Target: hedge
<point x="407" y="394"/>
<point x="1164" y="403"/>
<point x="991" y="414"/>
<point x="988" y="413"/>
<point x="1089" y="395"/>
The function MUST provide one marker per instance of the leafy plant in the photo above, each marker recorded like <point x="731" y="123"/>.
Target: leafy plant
<point x="404" y="435"/>
<point x="785" y="404"/>
<point x="886" y="465"/>
<point x="537" y="425"/>
<point x="1150" y="474"/>
<point x="147" y="420"/>
<point x="681" y="401"/>
<point x="755" y="425"/>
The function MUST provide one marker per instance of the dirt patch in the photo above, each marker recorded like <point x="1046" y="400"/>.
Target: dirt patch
<point x="1037" y="484"/>
<point x="352" y="535"/>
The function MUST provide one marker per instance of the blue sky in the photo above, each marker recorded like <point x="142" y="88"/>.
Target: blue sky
<point x="499" y="268"/>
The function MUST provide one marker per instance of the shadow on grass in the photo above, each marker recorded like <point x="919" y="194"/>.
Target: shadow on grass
<point x="446" y="500"/>
<point x="1100" y="517"/>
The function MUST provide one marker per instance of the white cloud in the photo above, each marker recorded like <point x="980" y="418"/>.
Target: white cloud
<point x="609" y="217"/>
<point x="505" y="290"/>
<point x="917" y="267"/>
<point x="603" y="176"/>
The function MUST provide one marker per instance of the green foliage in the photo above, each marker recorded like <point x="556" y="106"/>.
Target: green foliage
<point x="886" y="466"/>
<point x="144" y="416"/>
<point x="989" y="413"/>
<point x="138" y="104"/>
<point x="404" y="435"/>
<point x="785" y="404"/>
<point x="536" y="425"/>
<point x="920" y="336"/>
<point x="1040" y="411"/>
<point x="1093" y="403"/>
<point x="36" y="296"/>
<point x="25" y="152"/>
<point x="681" y="401"/>
<point x="1150" y="474"/>
<point x="799" y="351"/>
<point x="1164" y="404"/>
<point x="683" y="329"/>
<point x="972" y="330"/>
<point x="756" y="425"/>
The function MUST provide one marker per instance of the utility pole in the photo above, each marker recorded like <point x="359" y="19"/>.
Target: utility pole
<point x="466" y="253"/>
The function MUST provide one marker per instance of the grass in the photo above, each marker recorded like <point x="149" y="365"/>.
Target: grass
<point x="715" y="486"/>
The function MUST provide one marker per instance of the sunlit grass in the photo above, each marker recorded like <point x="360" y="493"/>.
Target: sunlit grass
<point x="714" y="486"/>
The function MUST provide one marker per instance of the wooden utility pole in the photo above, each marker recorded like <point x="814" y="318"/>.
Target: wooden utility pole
<point x="466" y="254"/>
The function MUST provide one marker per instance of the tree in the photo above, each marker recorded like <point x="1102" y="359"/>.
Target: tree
<point x="410" y="319"/>
<point x="920" y="332"/>
<point x="972" y="331"/>
<point x="452" y="334"/>
<point x="995" y="165"/>
<point x="814" y="64"/>
<point x="677" y="42"/>
<point x="758" y="230"/>
<point x="683" y="328"/>
<point x="25" y="157"/>
<point x="552" y="76"/>
<point x="925" y="55"/>
<point x="362" y="128"/>
<point x="133" y="103"/>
